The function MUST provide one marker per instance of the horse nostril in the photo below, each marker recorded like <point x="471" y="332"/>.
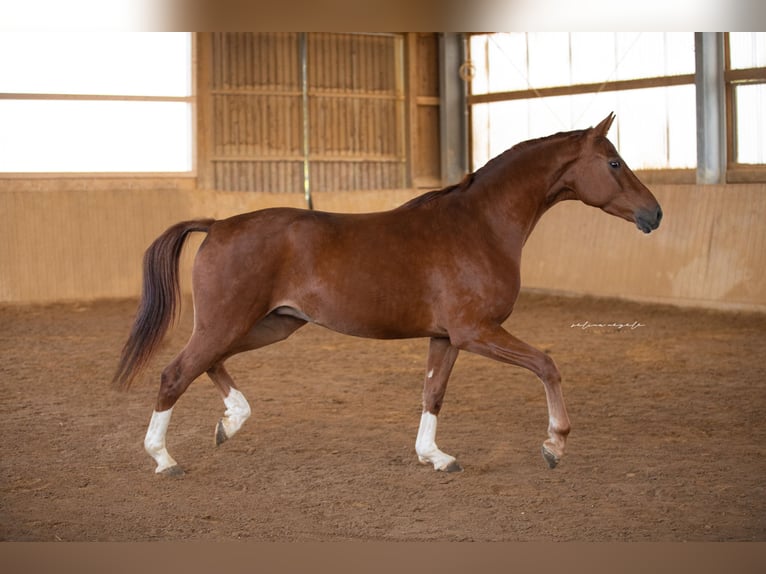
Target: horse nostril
<point x="659" y="214"/>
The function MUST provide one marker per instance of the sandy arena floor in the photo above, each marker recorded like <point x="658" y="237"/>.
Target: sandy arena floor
<point x="667" y="442"/>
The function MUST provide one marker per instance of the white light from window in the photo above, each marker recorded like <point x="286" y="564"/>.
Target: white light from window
<point x="112" y="135"/>
<point x="94" y="136"/>
<point x="751" y="123"/>
<point x="655" y="127"/>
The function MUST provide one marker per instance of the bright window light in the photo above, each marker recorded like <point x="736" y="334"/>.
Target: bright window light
<point x="751" y="123"/>
<point x="656" y="124"/>
<point x="748" y="50"/>
<point x="95" y="102"/>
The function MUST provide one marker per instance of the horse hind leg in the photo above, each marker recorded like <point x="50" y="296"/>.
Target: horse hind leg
<point x="154" y="444"/>
<point x="204" y="350"/>
<point x="237" y="408"/>
<point x="206" y="353"/>
<point x="441" y="358"/>
<point x="270" y="329"/>
<point x="175" y="379"/>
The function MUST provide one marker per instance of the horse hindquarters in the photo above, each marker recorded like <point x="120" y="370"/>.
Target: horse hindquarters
<point x="231" y="316"/>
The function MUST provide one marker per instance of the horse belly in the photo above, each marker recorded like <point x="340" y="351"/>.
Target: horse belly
<point x="363" y="305"/>
<point x="359" y="275"/>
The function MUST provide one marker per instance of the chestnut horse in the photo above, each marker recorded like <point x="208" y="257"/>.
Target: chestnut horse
<point x="445" y="266"/>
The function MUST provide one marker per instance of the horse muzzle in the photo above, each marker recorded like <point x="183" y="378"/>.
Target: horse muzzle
<point x="647" y="220"/>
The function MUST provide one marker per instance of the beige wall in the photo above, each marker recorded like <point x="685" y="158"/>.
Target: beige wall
<point x="83" y="244"/>
<point x="709" y="251"/>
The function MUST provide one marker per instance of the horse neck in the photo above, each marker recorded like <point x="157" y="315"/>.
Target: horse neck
<point x="520" y="185"/>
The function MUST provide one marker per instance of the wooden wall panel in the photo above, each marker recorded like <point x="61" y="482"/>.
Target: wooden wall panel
<point x="255" y="117"/>
<point x="425" y="142"/>
<point x="353" y="63"/>
<point x="269" y="176"/>
<point x="356" y="120"/>
<point x="427" y="156"/>
<point x="356" y="112"/>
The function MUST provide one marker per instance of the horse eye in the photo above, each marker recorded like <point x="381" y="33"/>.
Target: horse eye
<point x="614" y="163"/>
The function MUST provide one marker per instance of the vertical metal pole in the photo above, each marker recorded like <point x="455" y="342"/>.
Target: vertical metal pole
<point x="305" y="90"/>
<point x="452" y="109"/>
<point x="711" y="110"/>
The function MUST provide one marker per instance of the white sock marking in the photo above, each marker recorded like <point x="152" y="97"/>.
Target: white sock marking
<point x="425" y="445"/>
<point x="154" y="442"/>
<point x="237" y="412"/>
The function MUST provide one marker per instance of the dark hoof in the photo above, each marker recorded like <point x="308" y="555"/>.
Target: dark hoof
<point x="173" y="471"/>
<point x="220" y="434"/>
<point x="453" y="467"/>
<point x="550" y="458"/>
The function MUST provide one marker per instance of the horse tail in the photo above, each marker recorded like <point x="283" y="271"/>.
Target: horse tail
<point x="159" y="299"/>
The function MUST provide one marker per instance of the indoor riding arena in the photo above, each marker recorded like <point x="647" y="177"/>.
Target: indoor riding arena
<point x="659" y="337"/>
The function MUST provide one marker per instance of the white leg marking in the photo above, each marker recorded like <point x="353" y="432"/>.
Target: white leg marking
<point x="430" y="373"/>
<point x="425" y="445"/>
<point x="237" y="412"/>
<point x="154" y="442"/>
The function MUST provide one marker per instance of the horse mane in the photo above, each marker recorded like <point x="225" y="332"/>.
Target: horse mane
<point x="469" y="178"/>
<point x="429" y="196"/>
<point x="523" y="146"/>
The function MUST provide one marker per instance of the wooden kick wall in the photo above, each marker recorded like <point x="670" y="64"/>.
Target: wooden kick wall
<point x="710" y="251"/>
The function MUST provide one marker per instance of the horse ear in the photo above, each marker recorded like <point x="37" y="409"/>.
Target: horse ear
<point x="602" y="128"/>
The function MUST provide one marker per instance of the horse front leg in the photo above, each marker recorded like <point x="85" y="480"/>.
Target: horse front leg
<point x="496" y="343"/>
<point x="441" y="358"/>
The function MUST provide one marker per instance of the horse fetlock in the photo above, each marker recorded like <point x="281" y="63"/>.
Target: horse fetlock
<point x="237" y="412"/>
<point x="425" y="444"/>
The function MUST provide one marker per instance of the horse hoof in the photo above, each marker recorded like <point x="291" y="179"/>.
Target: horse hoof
<point x="453" y="467"/>
<point x="220" y="434"/>
<point x="550" y="458"/>
<point x="173" y="471"/>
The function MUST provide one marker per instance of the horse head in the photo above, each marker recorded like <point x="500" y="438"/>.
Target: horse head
<point x="601" y="178"/>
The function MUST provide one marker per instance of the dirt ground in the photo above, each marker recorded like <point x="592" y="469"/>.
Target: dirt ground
<point x="667" y="442"/>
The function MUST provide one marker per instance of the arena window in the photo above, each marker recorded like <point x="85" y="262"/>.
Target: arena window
<point x="524" y="85"/>
<point x="92" y="102"/>
<point x="745" y="78"/>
